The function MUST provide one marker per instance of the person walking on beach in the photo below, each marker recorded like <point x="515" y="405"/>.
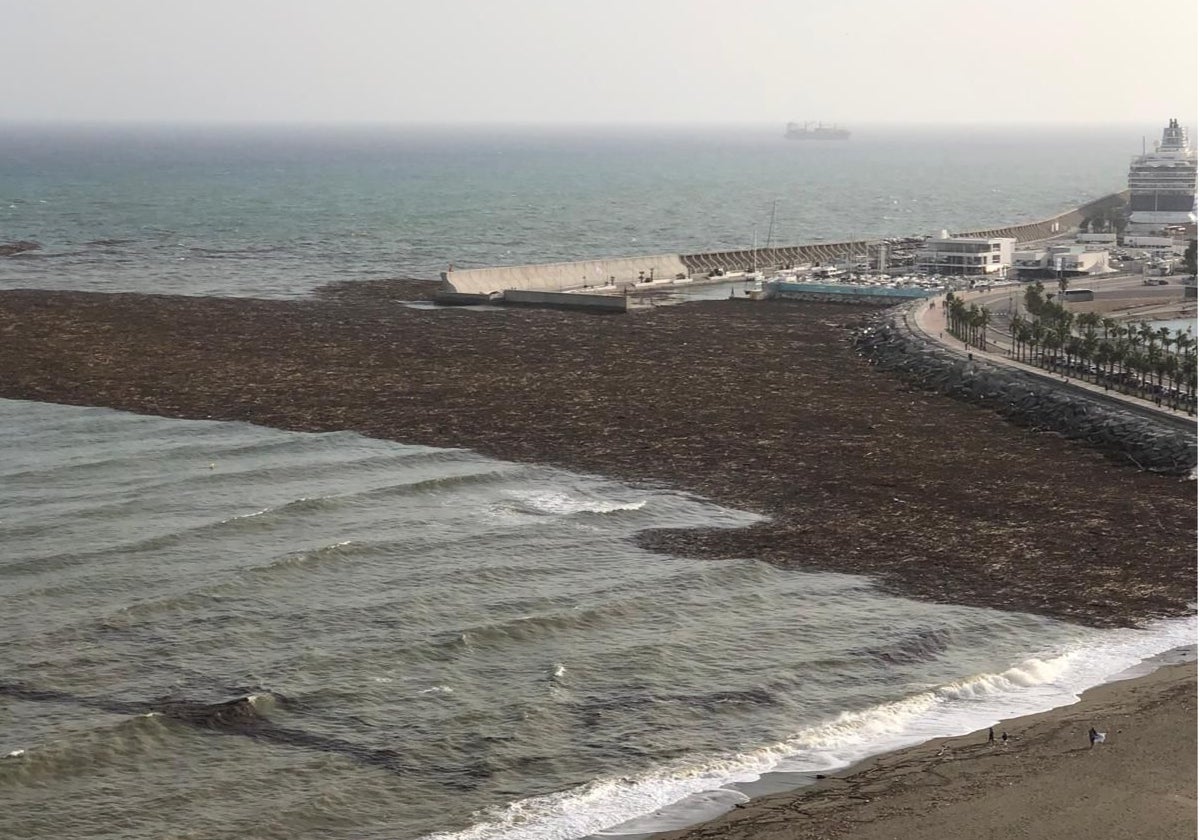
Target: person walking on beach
<point x="1094" y="737"/>
<point x="991" y="735"/>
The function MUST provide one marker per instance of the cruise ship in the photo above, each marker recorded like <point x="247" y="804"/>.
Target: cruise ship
<point x="1162" y="184"/>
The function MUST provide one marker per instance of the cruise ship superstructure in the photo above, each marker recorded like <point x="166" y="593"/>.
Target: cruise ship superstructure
<point x="1162" y="184"/>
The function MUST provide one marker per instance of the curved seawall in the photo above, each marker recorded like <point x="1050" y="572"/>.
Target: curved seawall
<point x="831" y="251"/>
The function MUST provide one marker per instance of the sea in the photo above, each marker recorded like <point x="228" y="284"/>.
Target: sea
<point x="216" y="630"/>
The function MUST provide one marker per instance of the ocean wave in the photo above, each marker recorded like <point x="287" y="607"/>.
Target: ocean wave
<point x="217" y="592"/>
<point x="308" y="559"/>
<point x="81" y="753"/>
<point x="682" y="792"/>
<point x="247" y="251"/>
<point x="551" y="624"/>
<point x="560" y="503"/>
<point x="441" y="484"/>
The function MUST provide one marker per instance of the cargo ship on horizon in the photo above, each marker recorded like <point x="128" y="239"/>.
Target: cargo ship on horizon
<point x="806" y="131"/>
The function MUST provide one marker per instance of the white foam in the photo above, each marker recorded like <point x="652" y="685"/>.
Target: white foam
<point x="245" y="516"/>
<point x="15" y="754"/>
<point x="438" y="689"/>
<point x="565" y="504"/>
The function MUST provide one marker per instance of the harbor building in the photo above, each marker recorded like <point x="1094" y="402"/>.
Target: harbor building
<point x="1062" y="260"/>
<point x="952" y="255"/>
<point x="1162" y="183"/>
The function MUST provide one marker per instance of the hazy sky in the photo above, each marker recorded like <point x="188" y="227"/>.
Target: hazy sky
<point x="851" y="61"/>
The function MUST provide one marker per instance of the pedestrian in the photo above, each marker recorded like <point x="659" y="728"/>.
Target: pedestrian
<point x="1004" y="738"/>
<point x="1094" y="737"/>
<point x="991" y="735"/>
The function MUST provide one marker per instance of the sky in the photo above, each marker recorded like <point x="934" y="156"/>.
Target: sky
<point x="598" y="61"/>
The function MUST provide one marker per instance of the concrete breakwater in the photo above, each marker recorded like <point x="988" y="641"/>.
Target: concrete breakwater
<point x="834" y="251"/>
<point x="1160" y="445"/>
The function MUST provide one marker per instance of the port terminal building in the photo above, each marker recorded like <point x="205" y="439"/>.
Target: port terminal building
<point x="1070" y="260"/>
<point x="957" y="255"/>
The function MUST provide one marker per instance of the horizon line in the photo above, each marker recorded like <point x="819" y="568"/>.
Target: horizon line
<point x="551" y="124"/>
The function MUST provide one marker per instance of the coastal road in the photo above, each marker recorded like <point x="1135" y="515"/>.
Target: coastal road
<point x="1002" y="301"/>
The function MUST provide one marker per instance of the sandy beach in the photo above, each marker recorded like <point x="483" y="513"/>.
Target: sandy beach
<point x="1045" y="783"/>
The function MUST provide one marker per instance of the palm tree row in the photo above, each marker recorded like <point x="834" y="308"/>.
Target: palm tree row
<point x="1133" y="358"/>
<point x="967" y="324"/>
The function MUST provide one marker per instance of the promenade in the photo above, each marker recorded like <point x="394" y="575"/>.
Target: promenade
<point x="930" y="321"/>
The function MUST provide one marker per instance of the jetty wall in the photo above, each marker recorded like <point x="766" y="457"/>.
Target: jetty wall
<point x="566" y="300"/>
<point x="829" y="252"/>
<point x="557" y="277"/>
<point x="1056" y="225"/>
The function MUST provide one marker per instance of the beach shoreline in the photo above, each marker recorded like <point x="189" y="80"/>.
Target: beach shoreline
<point x="1043" y="781"/>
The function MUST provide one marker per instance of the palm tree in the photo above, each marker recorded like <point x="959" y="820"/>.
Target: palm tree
<point x="1118" y="354"/>
<point x="1170" y="366"/>
<point x="1062" y="329"/>
<point x="1138" y="363"/>
<point x="1088" y="321"/>
<point x="1037" y="340"/>
<point x="1165" y="338"/>
<point x="1034" y="299"/>
<point x="1022" y="332"/>
<point x="1087" y="350"/>
<point x="1182" y="339"/>
<point x="1146" y="333"/>
<point x="1051" y="342"/>
<point x="984" y="316"/>
<point x="1104" y="357"/>
<point x="1109" y="325"/>
<point x="1187" y="372"/>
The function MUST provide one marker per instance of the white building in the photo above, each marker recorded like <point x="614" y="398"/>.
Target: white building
<point x="965" y="255"/>
<point x="1109" y="239"/>
<point x="1070" y="260"/>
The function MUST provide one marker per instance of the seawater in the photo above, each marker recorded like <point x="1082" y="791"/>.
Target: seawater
<point x="437" y="644"/>
<point x="433" y="644"/>
<point x="278" y="211"/>
<point x="1176" y="324"/>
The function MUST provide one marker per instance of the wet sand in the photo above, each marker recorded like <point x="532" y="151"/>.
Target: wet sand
<point x="759" y="406"/>
<point x="1045" y="784"/>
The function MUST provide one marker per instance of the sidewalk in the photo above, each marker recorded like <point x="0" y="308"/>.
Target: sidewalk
<point x="932" y="324"/>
